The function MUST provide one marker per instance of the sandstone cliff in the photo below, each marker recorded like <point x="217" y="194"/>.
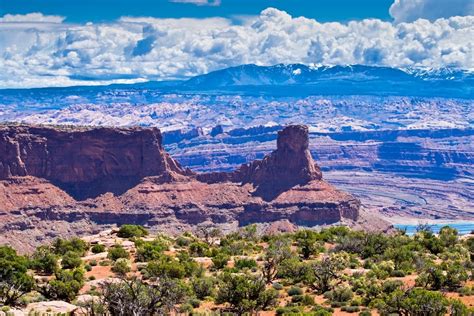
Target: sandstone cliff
<point x="85" y="163"/>
<point x="69" y="181"/>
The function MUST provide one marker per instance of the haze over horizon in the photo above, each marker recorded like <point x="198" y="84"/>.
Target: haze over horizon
<point x="48" y="44"/>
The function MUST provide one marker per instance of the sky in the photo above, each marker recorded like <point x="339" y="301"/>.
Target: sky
<point x="108" y="10"/>
<point x="62" y="43"/>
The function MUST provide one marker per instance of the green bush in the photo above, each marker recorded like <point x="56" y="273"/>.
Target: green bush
<point x="150" y="250"/>
<point x="117" y="252"/>
<point x="121" y="266"/>
<point x="105" y="263"/>
<point x="64" y="286"/>
<point x="98" y="248"/>
<point x="245" y="293"/>
<point x="164" y="267"/>
<point x="182" y="241"/>
<point x="245" y="263"/>
<point x="350" y="309"/>
<point x="203" y="287"/>
<point x="194" y="302"/>
<point x="71" y="260"/>
<point x="397" y="273"/>
<point x="129" y="231"/>
<point x="277" y="286"/>
<point x="15" y="282"/>
<point x="186" y="309"/>
<point x="198" y="249"/>
<point x="340" y="294"/>
<point x="77" y="245"/>
<point x="295" y="291"/>
<point x="220" y="261"/>
<point x="44" y="260"/>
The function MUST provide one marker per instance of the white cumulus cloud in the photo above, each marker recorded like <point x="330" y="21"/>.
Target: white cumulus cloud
<point x="411" y="10"/>
<point x="134" y="49"/>
<point x="32" y="17"/>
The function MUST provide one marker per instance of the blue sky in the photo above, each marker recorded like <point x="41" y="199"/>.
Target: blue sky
<point x="80" y="11"/>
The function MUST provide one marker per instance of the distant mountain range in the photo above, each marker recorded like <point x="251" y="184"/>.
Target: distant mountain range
<point x="303" y="80"/>
<point x="356" y="79"/>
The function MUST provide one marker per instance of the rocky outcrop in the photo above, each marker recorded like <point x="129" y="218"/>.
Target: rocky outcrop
<point x="104" y="176"/>
<point x="85" y="162"/>
<point x="289" y="165"/>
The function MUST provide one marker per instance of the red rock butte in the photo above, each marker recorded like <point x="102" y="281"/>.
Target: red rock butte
<point x="84" y="179"/>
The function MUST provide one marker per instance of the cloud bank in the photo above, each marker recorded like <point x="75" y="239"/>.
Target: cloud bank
<point x="56" y="53"/>
<point x="412" y="10"/>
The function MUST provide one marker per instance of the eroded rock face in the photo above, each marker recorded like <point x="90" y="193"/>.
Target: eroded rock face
<point x="81" y="181"/>
<point x="290" y="164"/>
<point x="85" y="163"/>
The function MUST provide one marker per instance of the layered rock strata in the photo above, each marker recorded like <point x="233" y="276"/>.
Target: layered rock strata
<point x="81" y="180"/>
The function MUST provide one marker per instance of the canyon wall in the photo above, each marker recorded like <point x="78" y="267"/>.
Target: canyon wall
<point x="85" y="163"/>
<point x="62" y="181"/>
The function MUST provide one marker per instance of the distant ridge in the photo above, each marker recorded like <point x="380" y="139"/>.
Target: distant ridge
<point x="282" y="74"/>
<point x="303" y="80"/>
<point x="294" y="74"/>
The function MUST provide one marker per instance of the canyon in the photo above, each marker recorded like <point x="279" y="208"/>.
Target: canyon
<point x="64" y="181"/>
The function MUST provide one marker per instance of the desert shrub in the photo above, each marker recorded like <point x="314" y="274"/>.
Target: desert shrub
<point x="309" y="243"/>
<point x="186" y="309"/>
<point x="292" y="269"/>
<point x="203" y="287"/>
<point x="289" y="310"/>
<point x="117" y="252"/>
<point x="105" y="263"/>
<point x="413" y="302"/>
<point x="121" y="266"/>
<point x="364" y="244"/>
<point x="350" y="309"/>
<point x="295" y="291"/>
<point x="98" y="248"/>
<point x="194" y="302"/>
<point x="93" y="263"/>
<point x="129" y="231"/>
<point x="198" y="249"/>
<point x="191" y="267"/>
<point x="323" y="272"/>
<point x="77" y="245"/>
<point x="15" y="282"/>
<point x="245" y="293"/>
<point x="141" y="298"/>
<point x="44" y="260"/>
<point x="277" y="286"/>
<point x="305" y="300"/>
<point x="391" y="286"/>
<point x="339" y="294"/>
<point x="88" y="267"/>
<point x="71" y="260"/>
<point x="397" y="274"/>
<point x="150" y="250"/>
<point x="182" y="241"/>
<point x="450" y="275"/>
<point x="245" y="263"/>
<point x="164" y="267"/>
<point x="295" y="299"/>
<point x="65" y="285"/>
<point x="220" y="261"/>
